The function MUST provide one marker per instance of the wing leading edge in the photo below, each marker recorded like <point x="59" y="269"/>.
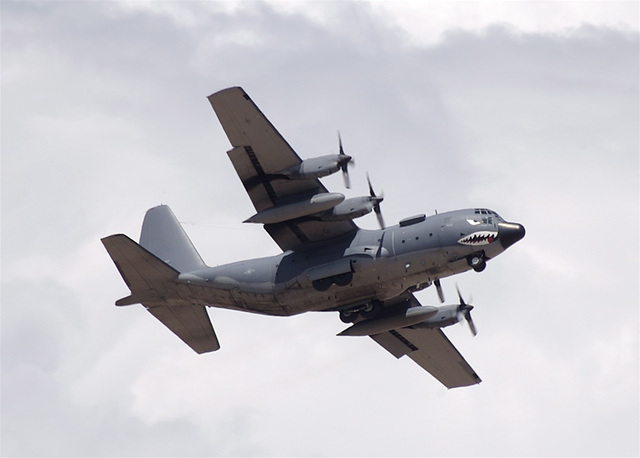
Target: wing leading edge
<point x="259" y="155"/>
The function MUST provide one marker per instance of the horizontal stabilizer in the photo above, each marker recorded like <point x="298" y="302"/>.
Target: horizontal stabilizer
<point x="191" y="323"/>
<point x="141" y="270"/>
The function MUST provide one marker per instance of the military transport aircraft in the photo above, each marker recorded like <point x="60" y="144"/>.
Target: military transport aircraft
<point x="327" y="262"/>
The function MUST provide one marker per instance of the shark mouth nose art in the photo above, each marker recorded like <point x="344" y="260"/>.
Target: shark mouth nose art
<point x="478" y="238"/>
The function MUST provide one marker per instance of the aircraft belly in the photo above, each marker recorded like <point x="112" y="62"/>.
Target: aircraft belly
<point x="230" y="295"/>
<point x="381" y="278"/>
<point x="383" y="283"/>
<point x="310" y="300"/>
<point x="370" y="280"/>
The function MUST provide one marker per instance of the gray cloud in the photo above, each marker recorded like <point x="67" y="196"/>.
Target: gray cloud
<point x="104" y="115"/>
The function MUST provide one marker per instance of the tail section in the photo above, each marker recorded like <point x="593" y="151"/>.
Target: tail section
<point x="146" y="276"/>
<point x="152" y="281"/>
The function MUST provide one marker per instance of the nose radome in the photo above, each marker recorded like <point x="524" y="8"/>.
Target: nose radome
<point x="510" y="233"/>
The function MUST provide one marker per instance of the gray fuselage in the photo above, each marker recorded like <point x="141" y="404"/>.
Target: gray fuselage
<point x="363" y="266"/>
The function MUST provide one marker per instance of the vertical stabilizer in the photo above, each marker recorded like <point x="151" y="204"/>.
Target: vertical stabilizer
<point x="163" y="236"/>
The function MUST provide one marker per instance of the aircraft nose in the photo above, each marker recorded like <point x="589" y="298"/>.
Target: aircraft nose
<point x="510" y="233"/>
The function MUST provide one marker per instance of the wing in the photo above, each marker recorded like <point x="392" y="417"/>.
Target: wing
<point x="431" y="349"/>
<point x="259" y="154"/>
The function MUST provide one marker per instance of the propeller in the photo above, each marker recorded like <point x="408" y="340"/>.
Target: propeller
<point x="344" y="162"/>
<point x="375" y="199"/>
<point x="439" y="289"/>
<point x="464" y="309"/>
<point x="379" y="252"/>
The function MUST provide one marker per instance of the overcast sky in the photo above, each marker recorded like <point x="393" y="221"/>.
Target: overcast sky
<point x="530" y="109"/>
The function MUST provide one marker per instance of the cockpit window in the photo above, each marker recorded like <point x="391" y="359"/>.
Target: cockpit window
<point x="486" y="211"/>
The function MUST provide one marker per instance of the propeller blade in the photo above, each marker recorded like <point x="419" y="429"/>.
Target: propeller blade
<point x="345" y="176"/>
<point x="371" y="191"/>
<point x="379" y="252"/>
<point x="344" y="164"/>
<point x="462" y="303"/>
<point x="375" y="200"/>
<point x="464" y="309"/>
<point x="379" y="215"/>
<point x="472" y="326"/>
<point x="439" y="289"/>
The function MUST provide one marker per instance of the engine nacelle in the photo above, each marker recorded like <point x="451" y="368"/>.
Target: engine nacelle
<point x="405" y="318"/>
<point x="316" y="167"/>
<point x="315" y="204"/>
<point x="351" y="208"/>
<point x="446" y="315"/>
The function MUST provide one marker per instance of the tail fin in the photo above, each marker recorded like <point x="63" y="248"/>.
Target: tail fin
<point x="163" y="236"/>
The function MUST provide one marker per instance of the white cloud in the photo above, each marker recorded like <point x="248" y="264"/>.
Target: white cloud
<point x="428" y="23"/>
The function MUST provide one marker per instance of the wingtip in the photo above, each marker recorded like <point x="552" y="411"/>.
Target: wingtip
<point x="228" y="89"/>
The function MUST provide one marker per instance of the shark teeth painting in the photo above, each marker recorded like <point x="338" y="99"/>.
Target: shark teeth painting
<point x="478" y="238"/>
